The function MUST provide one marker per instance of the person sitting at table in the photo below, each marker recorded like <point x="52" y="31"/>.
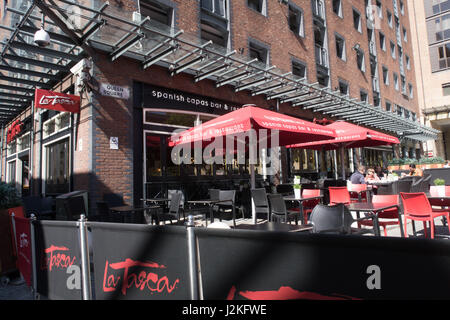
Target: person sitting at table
<point x="413" y="171"/>
<point x="358" y="176"/>
<point x="379" y="172"/>
<point x="371" y="176"/>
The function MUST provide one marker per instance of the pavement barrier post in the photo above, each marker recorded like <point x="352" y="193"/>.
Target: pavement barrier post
<point x="192" y="256"/>
<point x="33" y="256"/>
<point x="85" y="264"/>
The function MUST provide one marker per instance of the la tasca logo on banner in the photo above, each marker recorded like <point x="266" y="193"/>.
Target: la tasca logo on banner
<point x="45" y="99"/>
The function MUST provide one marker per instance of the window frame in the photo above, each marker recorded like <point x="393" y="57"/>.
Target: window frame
<point x="301" y="24"/>
<point x="337" y="37"/>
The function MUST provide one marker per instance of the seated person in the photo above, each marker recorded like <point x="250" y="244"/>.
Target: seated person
<point x="358" y="176"/>
<point x="371" y="176"/>
<point x="413" y="171"/>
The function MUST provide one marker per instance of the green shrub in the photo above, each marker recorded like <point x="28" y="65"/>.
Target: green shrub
<point x="9" y="197"/>
<point x="439" y="182"/>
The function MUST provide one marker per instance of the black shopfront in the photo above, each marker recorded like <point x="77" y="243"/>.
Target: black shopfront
<point x="158" y="112"/>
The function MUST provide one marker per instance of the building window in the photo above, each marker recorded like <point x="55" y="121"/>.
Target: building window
<point x="442" y="27"/>
<point x="296" y="20"/>
<point x="323" y="78"/>
<point x="389" y="18"/>
<point x="299" y="69"/>
<point x="12" y="171"/>
<point x="337" y="7"/>
<point x="396" y="86"/>
<point x="392" y="50"/>
<point x="411" y="91"/>
<point x="259" y="52"/>
<point x="399" y="110"/>
<point x="214" y="23"/>
<point x="388" y="106"/>
<point x="382" y="41"/>
<point x="408" y="62"/>
<point x="364" y="96"/>
<point x="402" y="8"/>
<point x="376" y="100"/>
<point x="360" y="60"/>
<point x="340" y="47"/>
<point x="57" y="167"/>
<point x="343" y="87"/>
<point x="357" y="20"/>
<point x="258" y="5"/>
<point x="444" y="56"/>
<point x="379" y="9"/>
<point x="405" y="35"/>
<point x="440" y="6"/>
<point x="156" y="11"/>
<point x="318" y="8"/>
<point x="446" y="89"/>
<point x="385" y="76"/>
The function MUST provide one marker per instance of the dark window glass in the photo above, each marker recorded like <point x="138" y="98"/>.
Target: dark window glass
<point x="298" y="69"/>
<point x="57" y="164"/>
<point x="255" y="4"/>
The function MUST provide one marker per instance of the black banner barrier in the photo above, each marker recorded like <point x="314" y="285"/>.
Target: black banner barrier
<point x="257" y="265"/>
<point x="137" y="262"/>
<point x="58" y="259"/>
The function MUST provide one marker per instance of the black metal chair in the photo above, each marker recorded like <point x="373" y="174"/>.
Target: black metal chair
<point x="42" y="208"/>
<point x="259" y="197"/>
<point x="227" y="204"/>
<point x="404" y="185"/>
<point x="173" y="212"/>
<point x="335" y="219"/>
<point x="74" y="207"/>
<point x="416" y="186"/>
<point x="278" y="210"/>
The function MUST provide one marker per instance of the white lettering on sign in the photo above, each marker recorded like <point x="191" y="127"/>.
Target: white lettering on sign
<point x="374" y="281"/>
<point x="114" y="91"/>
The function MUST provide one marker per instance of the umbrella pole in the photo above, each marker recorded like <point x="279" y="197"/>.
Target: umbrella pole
<point x="343" y="162"/>
<point x="252" y="185"/>
<point x="336" y="174"/>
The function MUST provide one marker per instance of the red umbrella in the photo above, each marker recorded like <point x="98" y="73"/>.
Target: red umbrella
<point x="291" y="130"/>
<point x="349" y="135"/>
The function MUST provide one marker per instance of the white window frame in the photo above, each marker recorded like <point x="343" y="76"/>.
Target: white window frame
<point x="301" y="28"/>
<point x="56" y="119"/>
<point x="173" y="111"/>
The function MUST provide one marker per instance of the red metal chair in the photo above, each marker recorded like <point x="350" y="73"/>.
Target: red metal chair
<point x="416" y="207"/>
<point x="339" y="195"/>
<point x="356" y="190"/>
<point x="308" y="205"/>
<point x="391" y="214"/>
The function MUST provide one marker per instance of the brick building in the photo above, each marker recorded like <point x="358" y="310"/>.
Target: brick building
<point x="189" y="62"/>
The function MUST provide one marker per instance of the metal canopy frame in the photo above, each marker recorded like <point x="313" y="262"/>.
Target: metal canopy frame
<point x="152" y="43"/>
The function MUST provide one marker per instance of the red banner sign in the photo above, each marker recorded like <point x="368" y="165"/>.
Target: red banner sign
<point x="14" y="130"/>
<point x="45" y="99"/>
<point x="23" y="238"/>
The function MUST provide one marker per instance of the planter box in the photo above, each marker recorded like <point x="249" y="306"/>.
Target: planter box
<point x="392" y="168"/>
<point x="18" y="212"/>
<point x="7" y="247"/>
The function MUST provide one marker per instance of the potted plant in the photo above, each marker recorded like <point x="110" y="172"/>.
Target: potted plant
<point x="297" y="187"/>
<point x="10" y="202"/>
<point x="440" y="186"/>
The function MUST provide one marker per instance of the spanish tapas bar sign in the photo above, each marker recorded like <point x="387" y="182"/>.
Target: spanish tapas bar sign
<point x="45" y="99"/>
<point x="114" y="91"/>
<point x="14" y="130"/>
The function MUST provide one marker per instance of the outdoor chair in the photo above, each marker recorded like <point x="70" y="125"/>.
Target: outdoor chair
<point x="259" y="197"/>
<point x="416" y="186"/>
<point x="416" y="207"/>
<point x="74" y="207"/>
<point x="113" y="200"/>
<point x="358" y="193"/>
<point x="309" y="205"/>
<point x="227" y="204"/>
<point x="404" y="185"/>
<point x="388" y="189"/>
<point x="102" y="212"/>
<point x="278" y="210"/>
<point x="339" y="195"/>
<point x="173" y="213"/>
<point x="335" y="219"/>
<point x="42" y="208"/>
<point x="389" y="216"/>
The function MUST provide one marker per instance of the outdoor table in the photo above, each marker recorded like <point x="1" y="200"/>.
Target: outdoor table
<point x="300" y="202"/>
<point x="440" y="201"/>
<point x="122" y="210"/>
<point x="272" y="226"/>
<point x="374" y="209"/>
<point x="209" y="203"/>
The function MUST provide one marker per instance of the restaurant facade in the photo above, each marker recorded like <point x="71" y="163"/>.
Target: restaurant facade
<point x="140" y="79"/>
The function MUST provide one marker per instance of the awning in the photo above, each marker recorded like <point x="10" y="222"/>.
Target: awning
<point x="290" y="129"/>
<point x="349" y="135"/>
<point x="78" y="29"/>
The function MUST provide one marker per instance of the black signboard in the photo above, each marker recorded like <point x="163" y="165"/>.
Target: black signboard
<point x="58" y="260"/>
<point x="140" y="262"/>
<point x="256" y="265"/>
<point x="159" y="97"/>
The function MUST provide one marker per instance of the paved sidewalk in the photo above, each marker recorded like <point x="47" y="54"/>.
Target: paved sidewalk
<point x="15" y="289"/>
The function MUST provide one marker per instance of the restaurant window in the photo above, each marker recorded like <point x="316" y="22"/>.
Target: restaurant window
<point x="12" y="147"/>
<point x="57" y="167"/>
<point x="303" y="160"/>
<point x="12" y="172"/>
<point x="23" y="142"/>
